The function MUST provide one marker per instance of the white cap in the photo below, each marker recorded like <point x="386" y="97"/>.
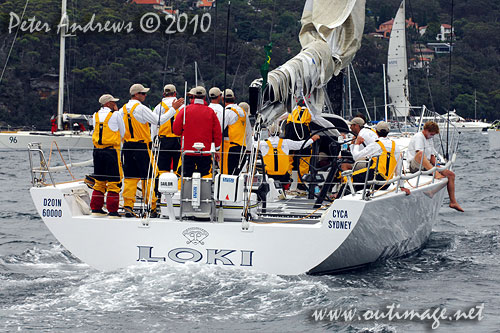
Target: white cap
<point x="107" y="98"/>
<point x="138" y="88"/>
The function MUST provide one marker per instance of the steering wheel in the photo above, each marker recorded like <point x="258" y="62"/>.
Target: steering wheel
<point x="333" y="160"/>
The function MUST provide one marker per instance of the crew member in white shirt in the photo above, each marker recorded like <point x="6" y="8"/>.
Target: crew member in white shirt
<point x="422" y="156"/>
<point x="170" y="146"/>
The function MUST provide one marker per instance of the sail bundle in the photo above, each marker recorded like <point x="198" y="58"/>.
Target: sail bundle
<point x="330" y="36"/>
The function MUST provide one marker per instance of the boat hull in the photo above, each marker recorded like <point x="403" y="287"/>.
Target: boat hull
<point x="403" y="227"/>
<point x="494" y="139"/>
<point x="20" y="140"/>
<point x="339" y="240"/>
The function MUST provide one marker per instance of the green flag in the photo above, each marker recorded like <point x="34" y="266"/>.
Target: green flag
<point x="264" y="69"/>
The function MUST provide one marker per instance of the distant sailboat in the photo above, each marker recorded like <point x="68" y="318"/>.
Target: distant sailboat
<point x="397" y="68"/>
<point x="67" y="139"/>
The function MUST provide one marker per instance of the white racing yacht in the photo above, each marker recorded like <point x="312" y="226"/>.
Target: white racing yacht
<point x="246" y="221"/>
<point x="63" y="139"/>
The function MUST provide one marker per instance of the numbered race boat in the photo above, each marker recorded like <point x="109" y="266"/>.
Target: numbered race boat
<point x="247" y="222"/>
<point x="74" y="136"/>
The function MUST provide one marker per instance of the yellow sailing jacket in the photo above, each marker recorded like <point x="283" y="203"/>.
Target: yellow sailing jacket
<point x="166" y="128"/>
<point x="135" y="131"/>
<point x="276" y="161"/>
<point x="237" y="131"/>
<point x="386" y="162"/>
<point x="103" y="136"/>
<point x="299" y="115"/>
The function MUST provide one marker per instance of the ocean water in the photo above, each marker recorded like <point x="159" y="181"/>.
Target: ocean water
<point x="44" y="288"/>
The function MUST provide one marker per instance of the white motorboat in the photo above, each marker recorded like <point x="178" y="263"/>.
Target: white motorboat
<point x="463" y="125"/>
<point x="494" y="135"/>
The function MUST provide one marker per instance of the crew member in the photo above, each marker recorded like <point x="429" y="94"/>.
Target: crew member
<point x="357" y="126"/>
<point x="198" y="123"/>
<point x="385" y="151"/>
<point x="369" y="135"/>
<point x="422" y="155"/>
<point x="137" y="147"/>
<point x="275" y="152"/>
<point x="237" y="134"/>
<point x="215" y="96"/>
<point x="170" y="145"/>
<point x="298" y="128"/>
<point x="107" y="138"/>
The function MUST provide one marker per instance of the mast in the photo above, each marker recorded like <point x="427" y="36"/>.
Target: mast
<point x="62" y="55"/>
<point x="475" y="105"/>
<point x="196" y="74"/>
<point x="385" y="94"/>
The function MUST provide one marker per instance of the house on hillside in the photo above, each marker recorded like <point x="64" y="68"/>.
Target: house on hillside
<point x="440" y="48"/>
<point x="423" y="56"/>
<point x="205" y="4"/>
<point x="445" y="32"/>
<point x="159" y="5"/>
<point x="385" y="28"/>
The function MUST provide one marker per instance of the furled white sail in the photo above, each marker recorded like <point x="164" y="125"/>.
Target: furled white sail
<point x="397" y="68"/>
<point x="330" y="37"/>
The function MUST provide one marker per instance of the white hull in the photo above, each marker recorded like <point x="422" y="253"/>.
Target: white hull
<point x="64" y="139"/>
<point x="494" y="138"/>
<point x="350" y="234"/>
<point x="467" y="126"/>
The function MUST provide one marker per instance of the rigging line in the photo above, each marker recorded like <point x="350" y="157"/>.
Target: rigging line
<point x="166" y="61"/>
<point x="360" y="92"/>
<point x="421" y="57"/>
<point x="13" y="42"/>
<point x="449" y="81"/>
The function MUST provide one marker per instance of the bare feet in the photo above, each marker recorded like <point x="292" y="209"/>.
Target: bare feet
<point x="456" y="206"/>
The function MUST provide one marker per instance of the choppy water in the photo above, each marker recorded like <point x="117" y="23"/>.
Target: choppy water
<point x="43" y="287"/>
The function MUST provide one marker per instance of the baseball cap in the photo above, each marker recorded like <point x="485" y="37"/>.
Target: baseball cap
<point x="228" y="93"/>
<point x="357" y="121"/>
<point x="107" y="98"/>
<point x="383" y="126"/>
<point x="214" y="92"/>
<point x="244" y="106"/>
<point x="199" y="91"/>
<point x="138" y="88"/>
<point x="169" y="88"/>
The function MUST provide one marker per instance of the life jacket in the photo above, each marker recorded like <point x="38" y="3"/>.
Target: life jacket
<point x="135" y="130"/>
<point x="103" y="136"/>
<point x="299" y="115"/>
<point x="237" y="131"/>
<point x="386" y="162"/>
<point x="276" y="161"/>
<point x="166" y="128"/>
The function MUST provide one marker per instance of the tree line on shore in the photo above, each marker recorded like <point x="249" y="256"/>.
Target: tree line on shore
<point x="107" y="62"/>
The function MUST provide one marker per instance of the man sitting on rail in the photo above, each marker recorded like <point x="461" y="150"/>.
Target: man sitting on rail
<point x="422" y="155"/>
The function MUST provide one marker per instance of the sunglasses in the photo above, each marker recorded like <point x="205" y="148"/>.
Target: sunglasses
<point x="142" y="93"/>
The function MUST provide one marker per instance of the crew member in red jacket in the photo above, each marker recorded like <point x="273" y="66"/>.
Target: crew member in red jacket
<point x="200" y="125"/>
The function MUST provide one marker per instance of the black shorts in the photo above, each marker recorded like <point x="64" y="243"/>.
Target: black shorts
<point x="136" y="160"/>
<point x="201" y="164"/>
<point x="106" y="165"/>
<point x="168" y="158"/>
